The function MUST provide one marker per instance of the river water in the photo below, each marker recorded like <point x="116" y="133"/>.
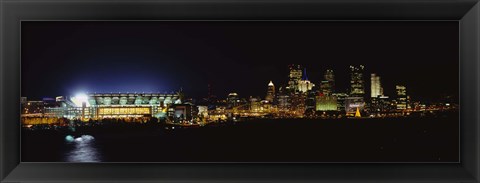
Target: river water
<point x="340" y="140"/>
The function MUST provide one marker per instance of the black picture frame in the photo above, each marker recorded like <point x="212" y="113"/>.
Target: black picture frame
<point x="467" y="12"/>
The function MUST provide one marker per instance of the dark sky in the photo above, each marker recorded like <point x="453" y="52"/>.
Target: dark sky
<point x="64" y="58"/>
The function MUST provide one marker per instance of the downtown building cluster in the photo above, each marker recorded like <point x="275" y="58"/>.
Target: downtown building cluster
<point x="300" y="97"/>
<point x="326" y="100"/>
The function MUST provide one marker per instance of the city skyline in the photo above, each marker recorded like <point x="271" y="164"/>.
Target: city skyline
<point x="370" y="87"/>
<point x="297" y="99"/>
<point x="220" y="91"/>
<point x="232" y="60"/>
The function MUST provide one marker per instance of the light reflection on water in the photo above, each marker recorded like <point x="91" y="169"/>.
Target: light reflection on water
<point x="83" y="150"/>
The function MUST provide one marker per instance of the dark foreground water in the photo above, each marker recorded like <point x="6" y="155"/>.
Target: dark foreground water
<point x="345" y="140"/>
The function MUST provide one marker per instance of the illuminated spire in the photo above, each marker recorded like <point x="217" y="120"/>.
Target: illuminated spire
<point x="270" y="92"/>
<point x="305" y="74"/>
<point x="270" y="84"/>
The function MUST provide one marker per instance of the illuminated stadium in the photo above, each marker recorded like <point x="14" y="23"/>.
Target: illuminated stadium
<point x="114" y="105"/>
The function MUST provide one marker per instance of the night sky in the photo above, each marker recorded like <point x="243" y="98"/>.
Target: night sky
<point x="65" y="58"/>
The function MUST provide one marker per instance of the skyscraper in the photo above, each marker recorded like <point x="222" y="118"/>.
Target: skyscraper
<point x="283" y="100"/>
<point x="298" y="103"/>
<point x="233" y="100"/>
<point x="325" y="87"/>
<point x="304" y="85"/>
<point x="330" y="77"/>
<point x="380" y="104"/>
<point x="340" y="100"/>
<point x="357" y="83"/>
<point x="294" y="77"/>
<point x="254" y="104"/>
<point x="270" y="92"/>
<point x="310" y="102"/>
<point x="376" y="86"/>
<point x="401" y="97"/>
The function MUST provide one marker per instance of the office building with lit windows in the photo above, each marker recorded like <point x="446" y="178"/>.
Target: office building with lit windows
<point x="294" y="77"/>
<point x="254" y="104"/>
<point x="284" y="102"/>
<point x="401" y="97"/>
<point x="376" y="86"/>
<point x="297" y="104"/>
<point x="33" y="108"/>
<point x="380" y="104"/>
<point x="357" y="85"/>
<point x="283" y="99"/>
<point x="327" y="86"/>
<point x="310" y="103"/>
<point x="330" y="76"/>
<point x="340" y="100"/>
<point x="233" y="100"/>
<point x="270" y="92"/>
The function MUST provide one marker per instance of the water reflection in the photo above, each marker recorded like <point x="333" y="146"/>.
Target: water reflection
<point x="83" y="149"/>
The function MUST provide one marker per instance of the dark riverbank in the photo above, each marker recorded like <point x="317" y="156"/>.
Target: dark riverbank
<point x="305" y="140"/>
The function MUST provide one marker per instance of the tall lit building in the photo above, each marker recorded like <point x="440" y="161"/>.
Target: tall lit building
<point x="357" y="85"/>
<point x="409" y="103"/>
<point x="401" y="97"/>
<point x="283" y="100"/>
<point x="254" y="104"/>
<point x="266" y="106"/>
<point x="376" y="86"/>
<point x="233" y="100"/>
<point x="304" y="85"/>
<point x="380" y="104"/>
<point x="310" y="102"/>
<point x="294" y="77"/>
<point x="327" y="86"/>
<point x="270" y="92"/>
<point x="297" y="104"/>
<point x="340" y="100"/>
